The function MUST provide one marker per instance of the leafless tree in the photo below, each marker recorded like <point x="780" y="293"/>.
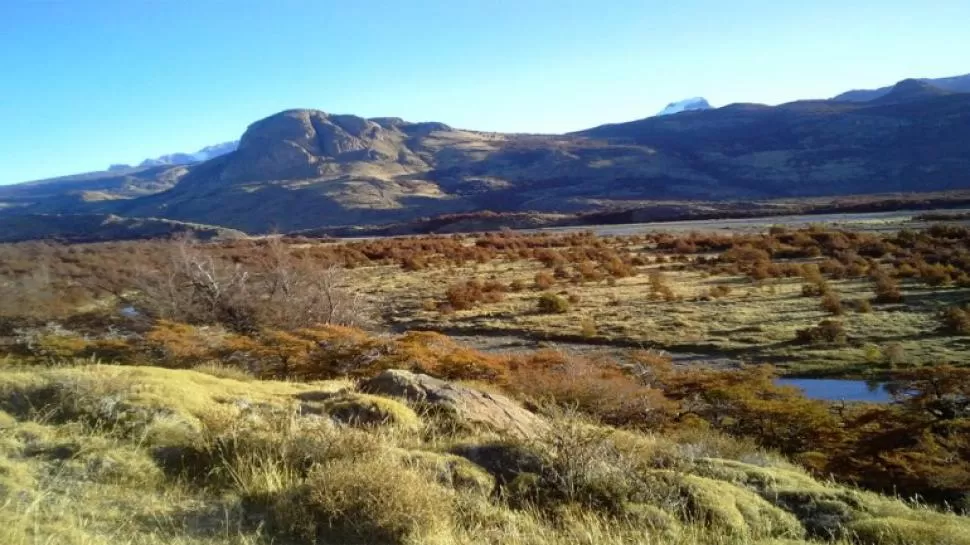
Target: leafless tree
<point x="279" y="290"/>
<point x="297" y="292"/>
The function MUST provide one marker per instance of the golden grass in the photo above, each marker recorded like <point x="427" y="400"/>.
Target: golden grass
<point x="753" y="322"/>
<point x="266" y="471"/>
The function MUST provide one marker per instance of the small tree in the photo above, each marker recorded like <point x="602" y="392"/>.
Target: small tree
<point x="887" y="289"/>
<point x="832" y="304"/>
<point x="550" y="303"/>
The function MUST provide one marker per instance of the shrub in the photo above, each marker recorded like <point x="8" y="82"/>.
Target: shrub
<point x="887" y="289"/>
<point x="719" y="291"/>
<point x="956" y="320"/>
<point x="826" y="332"/>
<point x="550" y="303"/>
<point x="468" y="294"/>
<point x="587" y="328"/>
<point x="597" y="388"/>
<point x="816" y="289"/>
<point x="544" y="280"/>
<point x="364" y="500"/>
<point x="195" y="285"/>
<point x="863" y="306"/>
<point x="832" y="304"/>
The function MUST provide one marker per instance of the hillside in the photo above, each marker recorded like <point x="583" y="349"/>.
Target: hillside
<point x="959" y="84"/>
<point x="71" y="192"/>
<point x="101" y="227"/>
<point x="213" y="456"/>
<point x="305" y="169"/>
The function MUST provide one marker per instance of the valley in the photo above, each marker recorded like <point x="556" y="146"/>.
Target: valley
<point x="483" y="273"/>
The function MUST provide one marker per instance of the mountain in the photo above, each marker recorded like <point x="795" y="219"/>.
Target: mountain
<point x="307" y="169"/>
<point x="73" y="193"/>
<point x="101" y="227"/>
<point x="204" y="154"/>
<point x="958" y="84"/>
<point x="686" y="105"/>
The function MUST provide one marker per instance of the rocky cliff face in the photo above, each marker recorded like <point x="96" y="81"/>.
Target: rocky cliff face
<point x="307" y="144"/>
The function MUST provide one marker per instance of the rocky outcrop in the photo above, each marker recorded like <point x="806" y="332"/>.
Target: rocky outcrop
<point x="466" y="405"/>
<point x="307" y="144"/>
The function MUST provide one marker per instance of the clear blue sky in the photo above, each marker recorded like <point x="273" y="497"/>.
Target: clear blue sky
<point x="87" y="83"/>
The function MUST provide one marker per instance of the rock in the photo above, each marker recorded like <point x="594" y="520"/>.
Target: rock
<point x="466" y="405"/>
<point x="505" y="461"/>
<point x="453" y="471"/>
<point x="362" y="410"/>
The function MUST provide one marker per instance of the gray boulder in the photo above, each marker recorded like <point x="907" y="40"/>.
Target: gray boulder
<point x="467" y="405"/>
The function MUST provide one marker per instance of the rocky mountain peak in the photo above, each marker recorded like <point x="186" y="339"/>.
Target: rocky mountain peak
<point x="686" y="105"/>
<point x="307" y="144"/>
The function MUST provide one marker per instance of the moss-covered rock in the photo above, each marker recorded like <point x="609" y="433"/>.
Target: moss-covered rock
<point x="756" y="477"/>
<point x="504" y="460"/>
<point x="824" y="512"/>
<point x="899" y="531"/>
<point x="379" y="500"/>
<point x="365" y="410"/>
<point x="452" y="471"/>
<point x="723" y="506"/>
<point x="121" y="465"/>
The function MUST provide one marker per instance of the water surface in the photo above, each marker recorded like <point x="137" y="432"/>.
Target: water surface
<point x="839" y="389"/>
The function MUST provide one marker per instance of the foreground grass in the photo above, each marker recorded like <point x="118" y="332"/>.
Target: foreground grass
<point x="141" y="455"/>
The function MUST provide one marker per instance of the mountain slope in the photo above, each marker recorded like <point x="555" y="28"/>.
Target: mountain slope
<point x="304" y="169"/>
<point x="65" y="192"/>
<point x="913" y="138"/>
<point x="101" y="227"/>
<point x="958" y="84"/>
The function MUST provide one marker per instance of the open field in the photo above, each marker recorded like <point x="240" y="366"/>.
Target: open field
<point x="579" y="389"/>
<point x="751" y="321"/>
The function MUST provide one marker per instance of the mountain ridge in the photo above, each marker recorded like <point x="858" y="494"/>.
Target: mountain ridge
<point x="960" y="84"/>
<point x="305" y="169"/>
<point x="179" y="158"/>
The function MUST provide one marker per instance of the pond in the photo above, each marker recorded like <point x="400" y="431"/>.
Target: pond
<point x="839" y="390"/>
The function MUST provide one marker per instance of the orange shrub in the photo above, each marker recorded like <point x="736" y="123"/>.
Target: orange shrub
<point x="598" y="388"/>
<point x="544" y="280"/>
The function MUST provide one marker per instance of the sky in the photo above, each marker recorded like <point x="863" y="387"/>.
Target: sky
<point x="85" y="84"/>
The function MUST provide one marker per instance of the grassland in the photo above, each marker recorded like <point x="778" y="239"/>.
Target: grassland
<point x="139" y="455"/>
<point x="756" y="322"/>
<point x="216" y="393"/>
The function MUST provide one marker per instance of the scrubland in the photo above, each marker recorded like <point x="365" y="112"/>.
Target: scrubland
<point x="112" y="454"/>
<point x="180" y="392"/>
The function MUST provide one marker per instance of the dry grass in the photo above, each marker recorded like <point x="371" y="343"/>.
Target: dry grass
<point x="753" y="322"/>
<point x="217" y="461"/>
